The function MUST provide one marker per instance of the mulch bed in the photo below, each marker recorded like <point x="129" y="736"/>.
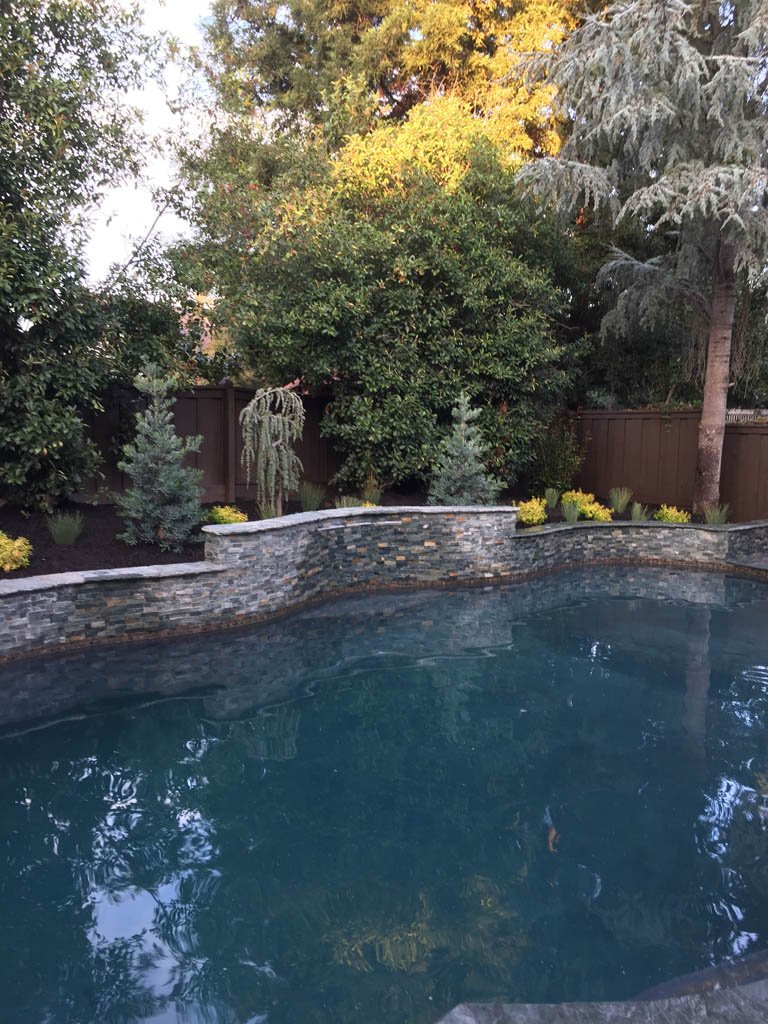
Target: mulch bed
<point x="97" y="547"/>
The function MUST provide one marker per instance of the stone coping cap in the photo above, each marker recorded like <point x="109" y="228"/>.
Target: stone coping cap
<point x="53" y="581"/>
<point x="623" y="524"/>
<point x="301" y="518"/>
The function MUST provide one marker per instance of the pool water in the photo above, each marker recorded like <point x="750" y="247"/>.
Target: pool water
<point x="374" y="810"/>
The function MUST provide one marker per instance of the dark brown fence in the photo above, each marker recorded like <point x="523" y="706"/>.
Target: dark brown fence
<point x="214" y="412"/>
<point x="654" y="453"/>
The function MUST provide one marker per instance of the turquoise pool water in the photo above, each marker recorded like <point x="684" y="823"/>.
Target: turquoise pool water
<point x="376" y="809"/>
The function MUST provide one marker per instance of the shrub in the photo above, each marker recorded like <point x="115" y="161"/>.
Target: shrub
<point x="551" y="496"/>
<point x="459" y="476"/>
<point x="311" y="496"/>
<point x="558" y="457"/>
<point x="533" y="512"/>
<point x="716" y="515"/>
<point x="14" y="552"/>
<point x="639" y="513"/>
<point x="619" y="498"/>
<point x="570" y="510"/>
<point x="581" y="498"/>
<point x="372" y="490"/>
<point x="670" y="514"/>
<point x="162" y="505"/>
<point x="347" y="501"/>
<point x="65" y="527"/>
<point x="223" y="514"/>
<point x="597" y="512"/>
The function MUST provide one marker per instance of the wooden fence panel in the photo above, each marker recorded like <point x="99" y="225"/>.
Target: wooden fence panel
<point x="212" y="412"/>
<point x="654" y="453"/>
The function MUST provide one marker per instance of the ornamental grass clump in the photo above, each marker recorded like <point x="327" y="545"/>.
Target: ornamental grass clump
<point x="639" y="513"/>
<point x="311" y="496"/>
<point x="15" y="552"/>
<point x="570" y="510"/>
<point x="162" y="504"/>
<point x="715" y="515"/>
<point x="533" y="512"/>
<point x="619" y="499"/>
<point x="671" y="514"/>
<point x="459" y="476"/>
<point x="222" y="515"/>
<point x="551" y="496"/>
<point x="65" y="527"/>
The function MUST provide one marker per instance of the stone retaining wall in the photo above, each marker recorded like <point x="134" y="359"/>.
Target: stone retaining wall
<point x="254" y="570"/>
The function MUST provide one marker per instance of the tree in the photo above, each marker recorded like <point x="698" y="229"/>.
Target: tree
<point x="272" y="422"/>
<point x="65" y="133"/>
<point x="665" y="103"/>
<point x="162" y="504"/>
<point x="391" y="302"/>
<point x="459" y="476"/>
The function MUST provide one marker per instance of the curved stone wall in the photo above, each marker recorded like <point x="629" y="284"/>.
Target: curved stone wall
<point x="255" y="570"/>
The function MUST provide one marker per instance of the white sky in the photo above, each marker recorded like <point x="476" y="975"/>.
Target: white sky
<point x="127" y="213"/>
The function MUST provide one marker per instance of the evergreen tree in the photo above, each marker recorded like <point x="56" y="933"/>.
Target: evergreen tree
<point x="272" y="422"/>
<point x="459" y="476"/>
<point x="162" y="506"/>
<point x="665" y="102"/>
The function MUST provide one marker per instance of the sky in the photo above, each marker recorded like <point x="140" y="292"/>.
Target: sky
<point x="126" y="213"/>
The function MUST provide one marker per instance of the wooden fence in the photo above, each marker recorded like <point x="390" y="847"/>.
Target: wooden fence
<point x="213" y="412"/>
<point x="654" y="453"/>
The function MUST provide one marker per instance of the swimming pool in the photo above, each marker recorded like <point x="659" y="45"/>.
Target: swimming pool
<point x="380" y="807"/>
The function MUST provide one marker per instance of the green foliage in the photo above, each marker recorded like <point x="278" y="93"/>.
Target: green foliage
<point x="459" y="476"/>
<point x="220" y="515"/>
<point x="639" y="513"/>
<point x="271" y="423"/>
<point x="65" y="134"/>
<point x="551" y="496"/>
<point x="533" y="512"/>
<point x="372" y="490"/>
<point x="311" y="495"/>
<point x="347" y="501"/>
<point x="619" y="498"/>
<point x="716" y="515"/>
<point x="671" y="514"/>
<point x="65" y="527"/>
<point x="394" y="304"/>
<point x="162" y="504"/>
<point x="558" y="456"/>
<point x="570" y="509"/>
<point x="269" y="509"/>
<point x="15" y="552"/>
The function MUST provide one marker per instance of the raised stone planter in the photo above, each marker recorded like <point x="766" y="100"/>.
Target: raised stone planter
<point x="255" y="570"/>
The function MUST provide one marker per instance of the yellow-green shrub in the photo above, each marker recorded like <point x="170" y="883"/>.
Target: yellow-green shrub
<point x="594" y="510"/>
<point x="533" y="512"/>
<point x="14" y="552"/>
<point x="223" y="514"/>
<point x="670" y="514"/>
<point x="580" y="498"/>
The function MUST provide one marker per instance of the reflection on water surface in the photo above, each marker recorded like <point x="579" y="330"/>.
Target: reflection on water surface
<point x="378" y="809"/>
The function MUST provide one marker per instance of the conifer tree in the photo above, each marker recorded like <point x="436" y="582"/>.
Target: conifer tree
<point x="666" y="107"/>
<point x="162" y="505"/>
<point x="459" y="476"/>
<point x="272" y="422"/>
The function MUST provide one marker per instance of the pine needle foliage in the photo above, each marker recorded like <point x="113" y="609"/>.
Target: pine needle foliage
<point x="665" y="107"/>
<point x="459" y="475"/>
<point x="162" y="505"/>
<point x="271" y="423"/>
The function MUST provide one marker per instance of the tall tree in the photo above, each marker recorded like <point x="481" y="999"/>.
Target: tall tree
<point x="666" y="106"/>
<point x="65" y="132"/>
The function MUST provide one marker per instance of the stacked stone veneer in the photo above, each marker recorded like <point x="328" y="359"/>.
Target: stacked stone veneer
<point x="253" y="570"/>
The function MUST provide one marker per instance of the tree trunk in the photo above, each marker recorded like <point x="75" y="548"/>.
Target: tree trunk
<point x="712" y="425"/>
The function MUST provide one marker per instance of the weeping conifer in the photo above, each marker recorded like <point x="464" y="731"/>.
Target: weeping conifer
<point x="271" y="423"/>
<point x="665" y="106"/>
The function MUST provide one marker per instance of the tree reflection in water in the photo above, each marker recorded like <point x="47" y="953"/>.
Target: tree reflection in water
<point x="350" y="817"/>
